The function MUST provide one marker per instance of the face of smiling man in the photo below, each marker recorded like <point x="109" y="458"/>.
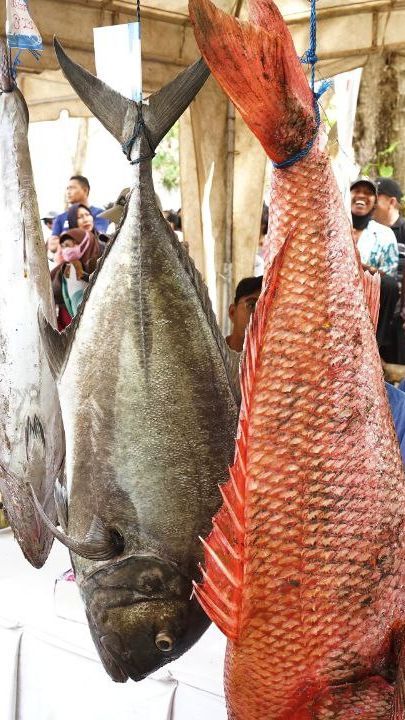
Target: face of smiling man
<point x="363" y="199"/>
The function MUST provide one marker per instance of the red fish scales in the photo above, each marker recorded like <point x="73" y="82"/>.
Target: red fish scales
<point x="320" y="515"/>
<point x="325" y="488"/>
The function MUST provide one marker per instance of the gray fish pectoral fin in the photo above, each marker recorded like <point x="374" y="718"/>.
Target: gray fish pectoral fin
<point x="165" y="106"/>
<point x="56" y="344"/>
<point x="101" y="542"/>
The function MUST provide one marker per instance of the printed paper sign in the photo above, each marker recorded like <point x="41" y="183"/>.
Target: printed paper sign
<point x="21" y="30"/>
<point x="118" y="58"/>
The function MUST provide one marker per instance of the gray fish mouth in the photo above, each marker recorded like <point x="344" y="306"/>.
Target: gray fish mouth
<point x="103" y="644"/>
<point x="107" y="645"/>
<point x="120" y="666"/>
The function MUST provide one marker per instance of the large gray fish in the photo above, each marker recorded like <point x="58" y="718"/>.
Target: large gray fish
<point x="150" y="409"/>
<point x="31" y="432"/>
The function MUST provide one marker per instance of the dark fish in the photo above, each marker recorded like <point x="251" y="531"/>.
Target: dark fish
<point x="150" y="409"/>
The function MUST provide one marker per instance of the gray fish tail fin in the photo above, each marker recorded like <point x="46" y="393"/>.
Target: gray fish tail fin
<point x="169" y="103"/>
<point x="120" y="115"/>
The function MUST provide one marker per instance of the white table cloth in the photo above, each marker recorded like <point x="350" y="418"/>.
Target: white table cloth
<point x="49" y="669"/>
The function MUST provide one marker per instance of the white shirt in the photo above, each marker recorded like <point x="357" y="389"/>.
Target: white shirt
<point x="378" y="247"/>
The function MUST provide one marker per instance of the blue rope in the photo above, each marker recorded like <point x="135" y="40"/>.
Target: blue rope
<point x="15" y="65"/>
<point x="309" y="58"/>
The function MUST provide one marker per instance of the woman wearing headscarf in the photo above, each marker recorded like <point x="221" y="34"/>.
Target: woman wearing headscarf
<point x="79" y="216"/>
<point x="78" y="255"/>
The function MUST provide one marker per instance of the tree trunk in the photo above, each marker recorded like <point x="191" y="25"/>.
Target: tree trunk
<point x="79" y="157"/>
<point x="399" y="127"/>
<point x="377" y="115"/>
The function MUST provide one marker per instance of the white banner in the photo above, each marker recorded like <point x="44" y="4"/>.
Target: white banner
<point x="344" y="165"/>
<point x="118" y="58"/>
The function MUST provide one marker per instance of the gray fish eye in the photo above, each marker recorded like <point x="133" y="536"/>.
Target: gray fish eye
<point x="164" y="642"/>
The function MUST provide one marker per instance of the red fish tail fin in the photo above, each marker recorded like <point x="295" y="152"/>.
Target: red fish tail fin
<point x="257" y="67"/>
<point x="265" y="13"/>
<point x="220" y="593"/>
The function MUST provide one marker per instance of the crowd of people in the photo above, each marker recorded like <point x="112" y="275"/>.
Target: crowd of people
<point x="379" y="234"/>
<point x="77" y="239"/>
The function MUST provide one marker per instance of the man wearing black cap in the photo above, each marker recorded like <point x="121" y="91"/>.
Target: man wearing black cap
<point x="378" y="250"/>
<point x="388" y="205"/>
<point x="387" y="212"/>
<point x="243" y="306"/>
<point x="376" y="243"/>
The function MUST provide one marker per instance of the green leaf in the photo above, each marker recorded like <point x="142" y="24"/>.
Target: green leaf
<point x="166" y="161"/>
<point x="385" y="170"/>
<point x="366" y="169"/>
<point x="392" y="147"/>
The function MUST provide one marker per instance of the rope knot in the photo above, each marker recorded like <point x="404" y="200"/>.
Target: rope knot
<point x="140" y="129"/>
<point x="309" y="57"/>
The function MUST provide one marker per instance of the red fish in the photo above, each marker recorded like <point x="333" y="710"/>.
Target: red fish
<point x="305" y="564"/>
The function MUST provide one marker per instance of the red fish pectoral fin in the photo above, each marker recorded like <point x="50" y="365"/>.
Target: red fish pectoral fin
<point x="260" y="72"/>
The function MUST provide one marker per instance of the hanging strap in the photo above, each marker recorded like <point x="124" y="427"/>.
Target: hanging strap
<point x="140" y="126"/>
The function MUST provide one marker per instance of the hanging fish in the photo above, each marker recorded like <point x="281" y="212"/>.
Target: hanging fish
<point x="305" y="565"/>
<point x="31" y="433"/>
<point x="150" y="409"/>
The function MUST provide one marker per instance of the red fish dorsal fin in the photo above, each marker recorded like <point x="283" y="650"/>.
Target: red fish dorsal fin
<point x="220" y="593"/>
<point x="372" y="286"/>
<point x="260" y="72"/>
